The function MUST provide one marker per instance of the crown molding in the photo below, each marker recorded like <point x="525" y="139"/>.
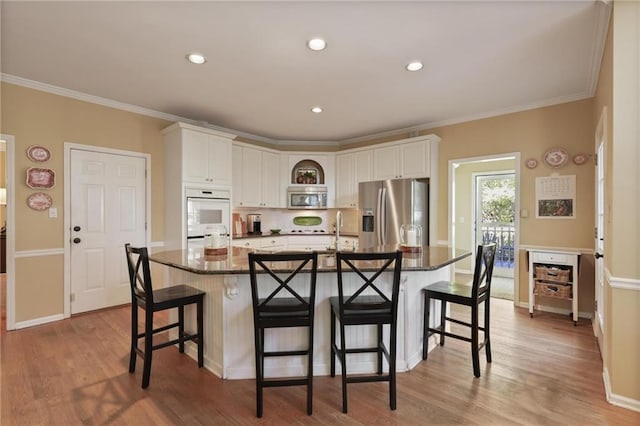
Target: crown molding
<point x="44" y="87"/>
<point x="598" y="44"/>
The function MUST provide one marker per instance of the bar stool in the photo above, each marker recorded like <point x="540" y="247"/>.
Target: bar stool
<point x="373" y="308"/>
<point x="284" y="306"/>
<point x="473" y="296"/>
<point x="144" y="296"/>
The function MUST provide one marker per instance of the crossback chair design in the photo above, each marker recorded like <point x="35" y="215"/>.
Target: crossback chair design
<point x="361" y="309"/>
<point x="144" y="296"/>
<point x="479" y="292"/>
<point x="283" y="307"/>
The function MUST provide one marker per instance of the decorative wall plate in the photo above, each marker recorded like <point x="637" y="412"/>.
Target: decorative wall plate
<point x="38" y="153"/>
<point x="580" y="159"/>
<point x="39" y="201"/>
<point x="40" y="178"/>
<point x="531" y="163"/>
<point x="556" y="157"/>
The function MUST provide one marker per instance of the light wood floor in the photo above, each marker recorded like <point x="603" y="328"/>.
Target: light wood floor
<point x="544" y="371"/>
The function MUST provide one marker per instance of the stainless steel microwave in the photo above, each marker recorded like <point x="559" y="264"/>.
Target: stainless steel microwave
<point x="307" y="197"/>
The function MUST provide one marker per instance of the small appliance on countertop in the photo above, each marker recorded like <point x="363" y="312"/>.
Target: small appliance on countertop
<point x="254" y="222"/>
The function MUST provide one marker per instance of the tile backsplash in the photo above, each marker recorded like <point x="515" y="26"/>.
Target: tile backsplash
<point x="283" y="218"/>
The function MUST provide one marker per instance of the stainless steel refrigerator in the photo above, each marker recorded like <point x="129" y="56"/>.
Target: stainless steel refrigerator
<point x="388" y="204"/>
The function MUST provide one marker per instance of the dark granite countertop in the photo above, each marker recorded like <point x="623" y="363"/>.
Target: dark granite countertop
<point x="236" y="260"/>
<point x="296" y="234"/>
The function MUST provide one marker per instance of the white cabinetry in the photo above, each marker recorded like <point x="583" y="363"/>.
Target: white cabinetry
<point x="406" y="159"/>
<point x="194" y="157"/>
<point x="203" y="155"/>
<point x="554" y="274"/>
<point x="351" y="169"/>
<point x="270" y="243"/>
<point x="303" y="242"/>
<point x="256" y="177"/>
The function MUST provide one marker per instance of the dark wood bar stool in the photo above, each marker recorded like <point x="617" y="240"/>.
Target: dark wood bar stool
<point x="144" y="296"/>
<point x="473" y="296"/>
<point x="282" y="307"/>
<point x="367" y="309"/>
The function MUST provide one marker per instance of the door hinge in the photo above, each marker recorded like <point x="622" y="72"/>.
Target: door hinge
<point x="595" y="304"/>
<point x="595" y="157"/>
<point x="595" y="232"/>
<point x="72" y="297"/>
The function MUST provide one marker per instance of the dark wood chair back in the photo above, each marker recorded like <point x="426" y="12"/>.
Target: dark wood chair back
<point x="483" y="271"/>
<point x="139" y="274"/>
<point x="284" y="298"/>
<point x="388" y="262"/>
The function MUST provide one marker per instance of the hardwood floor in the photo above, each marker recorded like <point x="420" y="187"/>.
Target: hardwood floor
<point x="544" y="371"/>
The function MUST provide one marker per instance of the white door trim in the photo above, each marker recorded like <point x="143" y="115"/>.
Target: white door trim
<point x="68" y="147"/>
<point x="451" y="205"/>
<point x="11" y="231"/>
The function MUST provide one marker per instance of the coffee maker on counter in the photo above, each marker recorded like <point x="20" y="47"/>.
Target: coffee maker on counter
<point x="253" y="224"/>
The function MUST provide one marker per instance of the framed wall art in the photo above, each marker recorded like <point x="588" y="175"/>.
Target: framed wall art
<point x="556" y="197"/>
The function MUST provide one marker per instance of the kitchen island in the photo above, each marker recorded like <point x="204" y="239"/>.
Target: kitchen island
<point x="228" y="324"/>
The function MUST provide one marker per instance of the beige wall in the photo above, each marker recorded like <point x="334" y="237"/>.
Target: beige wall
<point x="619" y="90"/>
<point x="35" y="117"/>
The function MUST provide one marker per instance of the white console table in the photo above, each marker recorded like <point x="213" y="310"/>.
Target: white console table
<point x="552" y="278"/>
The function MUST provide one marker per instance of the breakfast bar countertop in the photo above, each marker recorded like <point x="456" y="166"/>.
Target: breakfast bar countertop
<point x="236" y="260"/>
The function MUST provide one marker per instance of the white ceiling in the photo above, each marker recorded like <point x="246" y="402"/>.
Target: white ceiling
<point x="481" y="58"/>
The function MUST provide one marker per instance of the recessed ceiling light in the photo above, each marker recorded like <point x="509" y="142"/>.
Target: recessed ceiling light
<point x="316" y="44"/>
<point x="316" y="109"/>
<point x="196" y="58"/>
<point x="414" y="66"/>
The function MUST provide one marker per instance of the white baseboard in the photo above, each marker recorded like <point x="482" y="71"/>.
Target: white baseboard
<point x="553" y="310"/>
<point x="620" y="401"/>
<point x="38" y="321"/>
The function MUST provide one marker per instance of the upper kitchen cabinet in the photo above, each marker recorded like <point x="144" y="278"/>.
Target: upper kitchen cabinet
<point x="256" y="177"/>
<point x="322" y="172"/>
<point x="351" y="169"/>
<point x="409" y="158"/>
<point x="202" y="155"/>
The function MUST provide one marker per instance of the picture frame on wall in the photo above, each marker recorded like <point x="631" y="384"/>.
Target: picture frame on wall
<point x="556" y="197"/>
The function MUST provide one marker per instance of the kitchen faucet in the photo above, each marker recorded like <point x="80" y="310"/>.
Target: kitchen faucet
<point x="338" y="226"/>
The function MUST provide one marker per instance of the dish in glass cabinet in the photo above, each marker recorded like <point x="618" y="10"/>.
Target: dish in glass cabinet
<point x="39" y="201"/>
<point x="40" y="178"/>
<point x="580" y="159"/>
<point x="556" y="157"/>
<point x="38" y="153"/>
<point x="531" y="163"/>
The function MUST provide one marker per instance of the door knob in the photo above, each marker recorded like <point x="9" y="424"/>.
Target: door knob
<point x="76" y="228"/>
<point x="598" y="255"/>
<point x="77" y="240"/>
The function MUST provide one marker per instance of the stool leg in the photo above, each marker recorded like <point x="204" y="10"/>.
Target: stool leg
<point x="333" y="342"/>
<point x="392" y="363"/>
<point x="134" y="336"/>
<point x="181" y="328"/>
<point x="310" y="372"/>
<point x="200" y="320"/>
<point x="487" y="336"/>
<point x="443" y="319"/>
<point x="148" y="345"/>
<point x="258" y="350"/>
<point x="343" y="361"/>
<point x="475" y="356"/>
<point x="379" y="327"/>
<point x="425" y="329"/>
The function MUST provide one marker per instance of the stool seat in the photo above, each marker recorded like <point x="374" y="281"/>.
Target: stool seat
<point x="363" y="305"/>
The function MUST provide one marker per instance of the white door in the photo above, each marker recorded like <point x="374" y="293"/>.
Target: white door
<point x="599" y="243"/>
<point x="108" y="193"/>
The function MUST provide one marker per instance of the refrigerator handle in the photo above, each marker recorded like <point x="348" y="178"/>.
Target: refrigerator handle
<point x="378" y="221"/>
<point x="383" y="216"/>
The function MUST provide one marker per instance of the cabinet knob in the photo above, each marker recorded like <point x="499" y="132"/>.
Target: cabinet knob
<point x="76" y="240"/>
<point x="76" y="228"/>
